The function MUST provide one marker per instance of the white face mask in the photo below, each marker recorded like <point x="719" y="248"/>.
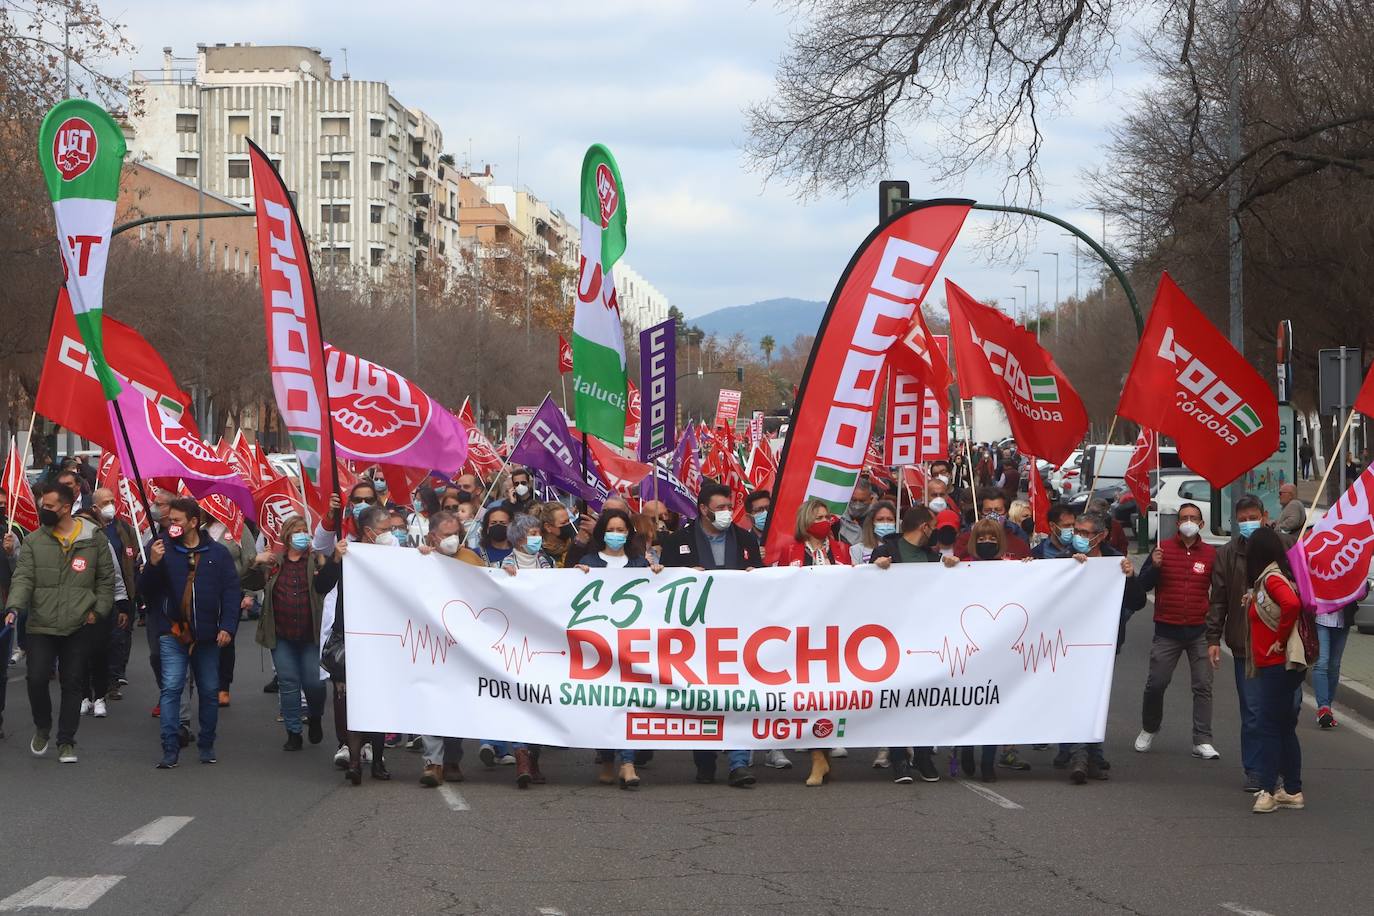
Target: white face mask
<point x="107" y="512"/>
<point x="721" y="519"/>
<point x="449" y="545"/>
<point x="938" y="504"/>
<point x="385" y="539"/>
<point x="942" y="477"/>
<point x="1188" y="529"/>
<point x="521" y="490"/>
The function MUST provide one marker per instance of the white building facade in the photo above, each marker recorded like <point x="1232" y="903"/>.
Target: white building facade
<point x="642" y="305"/>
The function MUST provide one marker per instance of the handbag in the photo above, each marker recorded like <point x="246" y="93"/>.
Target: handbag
<point x="332" y="655"/>
<point x="184" y="630"/>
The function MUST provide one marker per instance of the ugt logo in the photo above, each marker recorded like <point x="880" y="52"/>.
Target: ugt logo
<point x="606" y="193"/>
<point x="1200" y="381"/>
<point x="74" y="148"/>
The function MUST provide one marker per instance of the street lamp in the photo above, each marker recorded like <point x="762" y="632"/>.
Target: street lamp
<point x="413" y="196"/>
<point x="1055" y="255"/>
<point x="1076" y="293"/>
<point x="1038" y="300"/>
<point x="1025" y="299"/>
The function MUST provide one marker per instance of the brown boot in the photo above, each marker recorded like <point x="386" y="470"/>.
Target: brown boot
<point x="433" y="776"/>
<point x="536" y="775"/>
<point x="629" y="779"/>
<point x="522" y="769"/>
<point x="820" y="768"/>
<point x="607" y="775"/>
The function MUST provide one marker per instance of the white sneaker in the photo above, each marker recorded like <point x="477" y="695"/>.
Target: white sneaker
<point x="1264" y="803"/>
<point x="839" y="752"/>
<point x="507" y="761"/>
<point x="777" y="760"/>
<point x="1206" y="752"/>
<point x="1144" y="740"/>
<point x="880" y="759"/>
<point x="341" y="757"/>
<point x="367" y="753"/>
<point x="87" y="707"/>
<point x="99" y="709"/>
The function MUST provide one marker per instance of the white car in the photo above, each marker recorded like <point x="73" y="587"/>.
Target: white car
<point x="1066" y="480"/>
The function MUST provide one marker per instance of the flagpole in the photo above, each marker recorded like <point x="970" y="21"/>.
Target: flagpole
<point x="133" y="466"/>
<point x="1335" y="453"/>
<point x="563" y="383"/>
<point x="968" y="455"/>
<point x="505" y="462"/>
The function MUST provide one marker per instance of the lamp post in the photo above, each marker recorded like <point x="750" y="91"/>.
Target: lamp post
<point x="1038" y="300"/>
<point x="1055" y="255"/>
<point x="414" y="196"/>
<point x="1025" y="301"/>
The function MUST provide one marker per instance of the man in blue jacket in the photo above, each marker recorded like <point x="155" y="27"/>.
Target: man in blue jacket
<point x="192" y="589"/>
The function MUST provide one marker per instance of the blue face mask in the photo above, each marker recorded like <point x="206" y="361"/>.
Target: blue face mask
<point x="1066" y="535"/>
<point x="615" y="540"/>
<point x="300" y="540"/>
<point x="401" y="536"/>
<point x="417" y="504"/>
<point x="358" y="511"/>
<point x="534" y="543"/>
<point x="1082" y="544"/>
<point x="1248" y="528"/>
<point x="884" y="529"/>
<point x="760" y="519"/>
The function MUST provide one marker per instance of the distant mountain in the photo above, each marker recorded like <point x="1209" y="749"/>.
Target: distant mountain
<point x="784" y="319"/>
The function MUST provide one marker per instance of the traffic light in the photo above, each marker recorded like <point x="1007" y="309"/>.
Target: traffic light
<point x="889" y="193"/>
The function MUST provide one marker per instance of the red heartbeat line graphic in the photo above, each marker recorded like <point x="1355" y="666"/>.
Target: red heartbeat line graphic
<point x="422" y="640"/>
<point x="1051" y="650"/>
<point x="956" y="658"/>
<point x="517" y="655"/>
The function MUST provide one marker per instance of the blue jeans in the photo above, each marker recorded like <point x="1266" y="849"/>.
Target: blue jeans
<point x="1248" y="692"/>
<point x="706" y="760"/>
<point x="1326" y="673"/>
<point x="298" y="668"/>
<point x="204" y="664"/>
<point x="1280" y="754"/>
<point x="621" y="756"/>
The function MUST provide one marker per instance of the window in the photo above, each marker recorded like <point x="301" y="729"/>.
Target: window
<point x="334" y="127"/>
<point x="238" y="168"/>
<point x="376" y="213"/>
<point x="187" y="123"/>
<point x="375" y="257"/>
<point x="1198" y="490"/>
<point x="334" y="170"/>
<point x="276" y="125"/>
<point x="375" y="126"/>
<point x="334" y="213"/>
<point x="187" y="168"/>
<point x="238" y="125"/>
<point x="375" y="170"/>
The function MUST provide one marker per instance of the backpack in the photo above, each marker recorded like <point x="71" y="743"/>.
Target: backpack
<point x="1305" y="629"/>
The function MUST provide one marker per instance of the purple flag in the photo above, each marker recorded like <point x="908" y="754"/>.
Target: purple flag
<point x="163" y="447"/>
<point x="657" y="390"/>
<point x="686" y="466"/>
<point x="671" y="492"/>
<point x="549" y="448"/>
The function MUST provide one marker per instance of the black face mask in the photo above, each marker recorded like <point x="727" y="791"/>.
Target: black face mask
<point x="47" y="517"/>
<point x="567" y="532"/>
<point x="496" y="533"/>
<point x="986" y="550"/>
<point x="1028" y="525"/>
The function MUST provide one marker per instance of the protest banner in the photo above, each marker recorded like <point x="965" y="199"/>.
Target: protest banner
<point x="727" y="409"/>
<point x="657" y="365"/>
<point x="999" y="653"/>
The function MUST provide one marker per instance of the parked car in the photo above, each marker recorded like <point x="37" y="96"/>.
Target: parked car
<point x="1364" y="614"/>
<point x="1172" y="488"/>
<point x="1067" y="479"/>
<point x="1106" y="464"/>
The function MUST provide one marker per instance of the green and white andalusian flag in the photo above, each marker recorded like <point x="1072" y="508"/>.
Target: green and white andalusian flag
<point x="81" y="150"/>
<point x="598" y="347"/>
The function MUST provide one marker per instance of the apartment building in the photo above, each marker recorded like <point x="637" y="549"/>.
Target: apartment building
<point x="642" y="305"/>
<point x="357" y="160"/>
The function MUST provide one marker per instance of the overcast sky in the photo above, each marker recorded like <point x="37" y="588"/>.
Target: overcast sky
<point x="664" y="84"/>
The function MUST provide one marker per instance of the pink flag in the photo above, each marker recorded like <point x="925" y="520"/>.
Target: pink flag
<point x="379" y="415"/>
<point x="1331" y="564"/>
<point x="163" y="447"/>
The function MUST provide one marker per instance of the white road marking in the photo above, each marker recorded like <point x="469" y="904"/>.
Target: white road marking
<point x="1000" y="801"/>
<point x="1242" y="909"/>
<point x="56" y="893"/>
<point x="551" y="911"/>
<point x="155" y="833"/>
<point x="454" y="799"/>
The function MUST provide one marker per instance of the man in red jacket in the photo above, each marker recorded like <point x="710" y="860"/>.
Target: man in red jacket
<point x="1179" y="571"/>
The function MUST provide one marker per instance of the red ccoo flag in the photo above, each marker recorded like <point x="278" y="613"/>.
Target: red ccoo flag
<point x="1190" y="384"/>
<point x="1000" y="359"/>
<point x="1143" y="460"/>
<point x="564" y="355"/>
<point x="23" y="511"/>
<point x="917" y="354"/>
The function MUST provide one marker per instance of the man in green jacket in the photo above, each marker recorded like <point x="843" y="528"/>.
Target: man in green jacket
<point x="65" y="579"/>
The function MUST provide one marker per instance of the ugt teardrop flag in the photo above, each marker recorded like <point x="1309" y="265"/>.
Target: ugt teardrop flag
<point x="295" y="346"/>
<point x="871" y="308"/>
<point x="1189" y="383"/>
<point x="598" y="348"/>
<point x="81" y="149"/>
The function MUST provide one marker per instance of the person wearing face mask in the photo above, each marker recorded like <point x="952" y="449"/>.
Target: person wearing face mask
<point x="446" y="538"/>
<point x="102" y="647"/>
<point x="814" y="544"/>
<point x="946" y="533"/>
<point x="1179" y="572"/>
<point x="937" y="495"/>
<point x="192" y="588"/>
<point x="851" y="522"/>
<point x="124" y="542"/>
<point x="756" y="507"/>
<point x="494" y="540"/>
<point x="879" y="525"/>
<point x="1059" y="544"/>
<point x="289" y="628"/>
<point x="65" y="581"/>
<point x="521" y="495"/>
<point x="992" y="505"/>
<point x="528" y="543"/>
<point x="713" y="541"/>
<point x="1226" y="619"/>
<point x="423" y="504"/>
<point x="558" y="531"/>
<point x="371" y="526"/>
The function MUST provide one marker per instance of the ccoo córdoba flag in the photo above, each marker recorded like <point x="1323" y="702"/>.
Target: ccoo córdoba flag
<point x="598" y="349"/>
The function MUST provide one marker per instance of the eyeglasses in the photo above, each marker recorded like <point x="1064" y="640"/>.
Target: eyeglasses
<point x="359" y="500"/>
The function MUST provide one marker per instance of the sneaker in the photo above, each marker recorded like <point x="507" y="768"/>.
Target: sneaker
<point x="414" y="744"/>
<point x="341" y="757"/>
<point x="39" y="745"/>
<point x="391" y="740"/>
<point x="706" y="774"/>
<point x="838" y="752"/>
<point x="87" y="707"/>
<point x="122" y="682"/>
<point x="1010" y="760"/>
<point x="157" y="712"/>
<point x="777" y="760"/>
<point x="926" y="768"/>
<point x="314" y="729"/>
<point x="881" y="760"/>
<point x="99" y="709"/>
<point x="1205" y="752"/>
<point x="1143" y="741"/>
<point x="507" y="761"/>
<point x="168" y="761"/>
<point x="487" y="754"/>
<point x="208" y="757"/>
<point x="1325" y="719"/>
<point x="741" y="778"/>
<point x="1078" y="772"/>
<point x="1264" y="803"/>
<point x="223" y="698"/>
<point x="1294" y="801"/>
<point x="270" y="687"/>
<point x="66" y="753"/>
<point x="184" y="736"/>
<point x="901" y="773"/>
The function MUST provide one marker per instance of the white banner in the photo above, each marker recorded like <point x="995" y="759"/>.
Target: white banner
<point x="985" y="653"/>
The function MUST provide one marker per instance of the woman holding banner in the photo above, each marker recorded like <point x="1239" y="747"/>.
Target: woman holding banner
<point x="879" y="525"/>
<point x="527" y="553"/>
<point x="613" y="546"/>
<point x="494" y="544"/>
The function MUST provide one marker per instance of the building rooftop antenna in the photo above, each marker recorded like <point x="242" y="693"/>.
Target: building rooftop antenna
<point x="345" y="57"/>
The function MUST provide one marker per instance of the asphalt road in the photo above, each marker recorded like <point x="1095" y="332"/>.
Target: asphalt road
<point x="270" y="832"/>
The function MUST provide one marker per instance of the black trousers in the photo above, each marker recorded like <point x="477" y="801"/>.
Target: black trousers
<point x="96" y="683"/>
<point x="226" y="665"/>
<point x="121" y="643"/>
<point x="70" y="653"/>
<point x="6" y="648"/>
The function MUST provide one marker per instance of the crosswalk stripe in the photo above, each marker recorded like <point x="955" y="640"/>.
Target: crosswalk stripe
<point x="454" y="799"/>
<point x="58" y="893"/>
<point x="155" y="833"/>
<point x="1000" y="801"/>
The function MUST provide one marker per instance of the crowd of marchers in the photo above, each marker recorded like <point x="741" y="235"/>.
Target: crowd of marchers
<point x="78" y="587"/>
